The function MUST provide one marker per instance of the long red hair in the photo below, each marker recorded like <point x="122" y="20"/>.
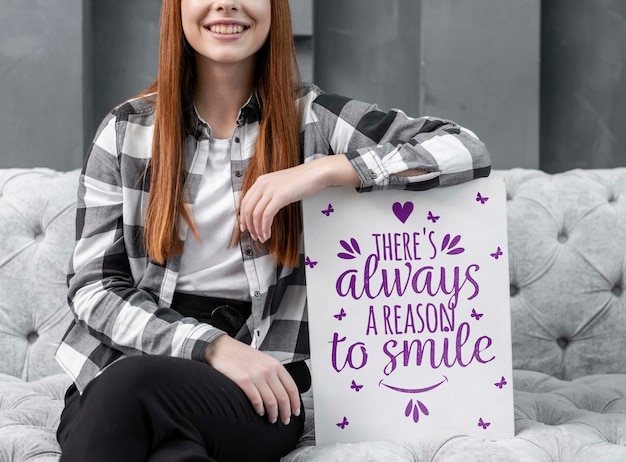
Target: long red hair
<point x="277" y="147"/>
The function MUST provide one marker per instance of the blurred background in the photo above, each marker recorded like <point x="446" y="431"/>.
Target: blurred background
<point x="542" y="82"/>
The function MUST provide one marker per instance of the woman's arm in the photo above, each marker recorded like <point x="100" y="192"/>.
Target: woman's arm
<point x="102" y="291"/>
<point x="383" y="150"/>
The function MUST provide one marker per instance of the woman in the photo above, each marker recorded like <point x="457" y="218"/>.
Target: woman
<point x="188" y="229"/>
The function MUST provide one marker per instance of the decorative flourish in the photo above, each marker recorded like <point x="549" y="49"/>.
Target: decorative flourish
<point x="449" y="245"/>
<point x="351" y="249"/>
<point x="501" y="383"/>
<point x="476" y="315"/>
<point x="329" y="210"/>
<point x="432" y="217"/>
<point x="414" y="390"/>
<point x="415" y="408"/>
<point x="340" y="315"/>
<point x="310" y="262"/>
<point x="481" y="199"/>
<point x="482" y="423"/>
<point x="402" y="211"/>
<point x="497" y="254"/>
<point x="355" y="386"/>
<point x="343" y="424"/>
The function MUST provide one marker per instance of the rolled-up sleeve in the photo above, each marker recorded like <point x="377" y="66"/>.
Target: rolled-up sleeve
<point x="382" y="144"/>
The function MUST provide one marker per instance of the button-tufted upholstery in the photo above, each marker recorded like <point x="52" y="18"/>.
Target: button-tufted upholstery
<point x="37" y="210"/>
<point x="567" y="242"/>
<point x="567" y="251"/>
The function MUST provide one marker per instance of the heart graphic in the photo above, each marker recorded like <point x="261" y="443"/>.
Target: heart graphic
<point x="402" y="211"/>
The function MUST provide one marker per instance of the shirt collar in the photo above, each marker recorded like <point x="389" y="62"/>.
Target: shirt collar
<point x="249" y="113"/>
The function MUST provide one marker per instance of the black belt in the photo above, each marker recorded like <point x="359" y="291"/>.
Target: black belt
<point x="225" y="314"/>
<point x="230" y="316"/>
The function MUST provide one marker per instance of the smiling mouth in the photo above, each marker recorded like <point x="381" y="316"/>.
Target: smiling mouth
<point x="226" y="29"/>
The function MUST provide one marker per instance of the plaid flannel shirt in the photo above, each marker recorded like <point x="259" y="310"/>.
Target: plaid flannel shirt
<point x="121" y="300"/>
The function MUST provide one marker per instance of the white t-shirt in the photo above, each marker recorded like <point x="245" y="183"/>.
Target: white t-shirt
<point x="210" y="267"/>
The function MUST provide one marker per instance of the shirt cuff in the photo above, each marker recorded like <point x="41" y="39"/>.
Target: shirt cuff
<point x="199" y="340"/>
<point x="369" y="168"/>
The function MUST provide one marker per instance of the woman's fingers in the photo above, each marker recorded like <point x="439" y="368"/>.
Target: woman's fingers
<point x="280" y="395"/>
<point x="270" y="193"/>
<point x="292" y="391"/>
<point x="270" y="402"/>
<point x="267" y="384"/>
<point x="257" y="211"/>
<point x="273" y="191"/>
<point x="252" y="392"/>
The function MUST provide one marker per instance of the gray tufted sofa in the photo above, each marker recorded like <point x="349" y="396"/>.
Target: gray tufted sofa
<point x="567" y="251"/>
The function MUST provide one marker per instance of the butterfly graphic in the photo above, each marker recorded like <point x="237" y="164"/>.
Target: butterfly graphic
<point x="482" y="423"/>
<point x="329" y="210"/>
<point x="501" y="383"/>
<point x="497" y="254"/>
<point x="310" y="262"/>
<point x="343" y="423"/>
<point x="481" y="199"/>
<point x="432" y="217"/>
<point x="340" y="315"/>
<point x="476" y="315"/>
<point x="356" y="387"/>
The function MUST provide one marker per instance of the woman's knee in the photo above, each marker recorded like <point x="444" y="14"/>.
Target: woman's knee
<point x="125" y="381"/>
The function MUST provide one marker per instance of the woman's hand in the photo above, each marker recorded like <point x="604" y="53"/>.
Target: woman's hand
<point x="265" y="381"/>
<point x="273" y="191"/>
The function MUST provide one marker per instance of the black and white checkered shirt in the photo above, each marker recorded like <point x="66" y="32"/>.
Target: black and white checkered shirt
<point x="121" y="299"/>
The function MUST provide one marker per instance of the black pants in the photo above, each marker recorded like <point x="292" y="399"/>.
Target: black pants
<point x="162" y="409"/>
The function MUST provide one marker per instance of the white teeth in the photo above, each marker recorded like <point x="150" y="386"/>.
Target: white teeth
<point x="226" y="29"/>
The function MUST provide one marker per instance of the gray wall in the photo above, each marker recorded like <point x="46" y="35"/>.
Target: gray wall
<point x="482" y="69"/>
<point x="41" y="81"/>
<point x="475" y="62"/>
<point x="583" y="108"/>
<point x="372" y="54"/>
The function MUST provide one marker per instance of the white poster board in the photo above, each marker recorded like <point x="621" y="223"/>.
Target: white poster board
<point x="409" y="319"/>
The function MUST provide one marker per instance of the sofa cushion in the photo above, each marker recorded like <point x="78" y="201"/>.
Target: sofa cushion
<point x="555" y="420"/>
<point x="29" y="417"/>
<point x="567" y="255"/>
<point x="37" y="210"/>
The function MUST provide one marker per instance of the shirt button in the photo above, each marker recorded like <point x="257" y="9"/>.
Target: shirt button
<point x="237" y="140"/>
<point x="249" y="252"/>
<point x="373" y="174"/>
<point x="238" y="173"/>
<point x="257" y="293"/>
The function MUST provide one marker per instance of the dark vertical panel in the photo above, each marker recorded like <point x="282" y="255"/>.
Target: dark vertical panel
<point x="302" y="20"/>
<point x="369" y="50"/>
<point x="88" y="93"/>
<point x="583" y="108"/>
<point x="125" y="49"/>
